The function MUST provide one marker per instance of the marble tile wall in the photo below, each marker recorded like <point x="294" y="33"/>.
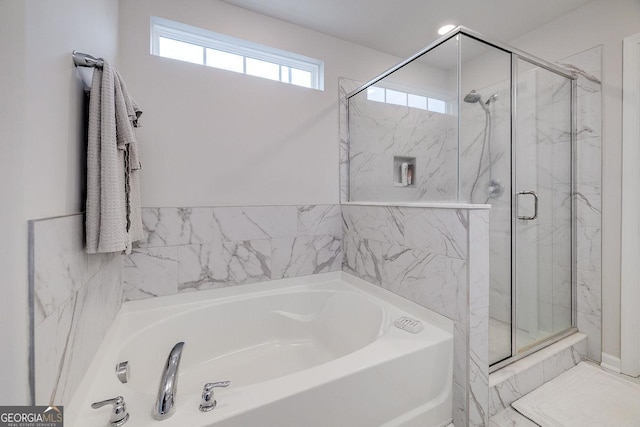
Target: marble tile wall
<point x="588" y="66"/>
<point x="75" y="298"/>
<point x="190" y="249"/>
<point x="437" y="258"/>
<point x="379" y="131"/>
<point x="345" y="86"/>
<point x="478" y="307"/>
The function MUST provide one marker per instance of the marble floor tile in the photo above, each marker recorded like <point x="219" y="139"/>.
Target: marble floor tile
<point x="510" y="418"/>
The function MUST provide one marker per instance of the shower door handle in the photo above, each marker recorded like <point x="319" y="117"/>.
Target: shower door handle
<point x="535" y="205"/>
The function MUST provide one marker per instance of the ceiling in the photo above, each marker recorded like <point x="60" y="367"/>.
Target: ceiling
<point x="402" y="27"/>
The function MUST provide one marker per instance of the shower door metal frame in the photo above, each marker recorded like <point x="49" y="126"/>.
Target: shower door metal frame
<point x="555" y="337"/>
<point x="515" y="55"/>
<point x="474" y="35"/>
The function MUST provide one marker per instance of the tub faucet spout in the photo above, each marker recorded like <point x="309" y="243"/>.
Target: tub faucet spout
<point x="165" y="404"/>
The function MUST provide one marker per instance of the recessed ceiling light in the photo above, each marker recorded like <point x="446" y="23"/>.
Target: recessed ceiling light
<point x="445" y="29"/>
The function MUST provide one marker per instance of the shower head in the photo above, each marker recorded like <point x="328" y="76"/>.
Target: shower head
<point x="473" y="97"/>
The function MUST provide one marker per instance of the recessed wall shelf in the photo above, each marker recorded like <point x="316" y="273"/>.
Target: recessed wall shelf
<point x="404" y="171"/>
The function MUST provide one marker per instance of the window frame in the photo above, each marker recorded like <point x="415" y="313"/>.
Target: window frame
<point x="164" y="28"/>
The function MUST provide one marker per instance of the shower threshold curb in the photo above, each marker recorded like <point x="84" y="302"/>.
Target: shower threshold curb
<point x="513" y="381"/>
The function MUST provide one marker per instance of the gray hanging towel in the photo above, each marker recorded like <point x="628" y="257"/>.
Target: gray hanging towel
<point x="114" y="218"/>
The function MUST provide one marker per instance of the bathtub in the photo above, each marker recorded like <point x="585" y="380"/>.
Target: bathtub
<point x="319" y="350"/>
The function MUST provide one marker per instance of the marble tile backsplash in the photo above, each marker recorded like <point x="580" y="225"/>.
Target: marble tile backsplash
<point x="197" y="248"/>
<point x="76" y="296"/>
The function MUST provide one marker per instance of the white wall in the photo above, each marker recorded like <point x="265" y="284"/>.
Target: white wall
<point x="211" y="137"/>
<point x="606" y="23"/>
<point x="13" y="254"/>
<point x="42" y="146"/>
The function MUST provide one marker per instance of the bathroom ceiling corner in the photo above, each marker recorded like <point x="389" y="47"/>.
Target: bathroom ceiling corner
<point x="401" y="28"/>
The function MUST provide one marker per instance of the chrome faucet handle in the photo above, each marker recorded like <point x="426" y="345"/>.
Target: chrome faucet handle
<point x="119" y="414"/>
<point x="208" y="401"/>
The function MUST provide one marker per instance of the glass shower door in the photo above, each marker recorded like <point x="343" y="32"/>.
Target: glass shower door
<point x="542" y="205"/>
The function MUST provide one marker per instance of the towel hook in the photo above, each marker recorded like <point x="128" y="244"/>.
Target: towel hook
<point x="85" y="60"/>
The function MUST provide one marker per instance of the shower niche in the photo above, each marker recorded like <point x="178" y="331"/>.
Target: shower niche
<point x="486" y="125"/>
<point x="404" y="171"/>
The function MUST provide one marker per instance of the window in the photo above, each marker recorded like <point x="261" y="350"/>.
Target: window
<point x="183" y="42"/>
<point x="396" y="97"/>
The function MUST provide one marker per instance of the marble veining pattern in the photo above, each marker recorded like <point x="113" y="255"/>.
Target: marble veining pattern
<point x="182" y="226"/>
<point x="588" y="66"/>
<point x="76" y="298"/>
<point x="435" y="231"/>
<point x="379" y="131"/>
<point x="378" y="247"/>
<point x="229" y="263"/>
<point x="514" y="381"/>
<point x="62" y="268"/>
<point x="314" y="220"/>
<point x="150" y="272"/>
<point x="196" y="248"/>
<point x="304" y="255"/>
<point x="345" y="86"/>
<point x="510" y="418"/>
<point x="478" y="333"/>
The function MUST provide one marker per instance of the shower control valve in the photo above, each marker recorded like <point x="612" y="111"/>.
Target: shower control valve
<point x="208" y="401"/>
<point x="495" y="188"/>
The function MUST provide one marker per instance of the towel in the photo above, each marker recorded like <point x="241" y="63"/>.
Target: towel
<point x="114" y="219"/>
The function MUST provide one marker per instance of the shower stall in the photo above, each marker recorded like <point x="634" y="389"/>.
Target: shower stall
<point x="468" y="120"/>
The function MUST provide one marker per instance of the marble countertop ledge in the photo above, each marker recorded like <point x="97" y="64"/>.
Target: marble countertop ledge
<point x="434" y="205"/>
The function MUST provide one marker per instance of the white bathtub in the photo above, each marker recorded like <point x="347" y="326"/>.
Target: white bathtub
<point x="314" y="351"/>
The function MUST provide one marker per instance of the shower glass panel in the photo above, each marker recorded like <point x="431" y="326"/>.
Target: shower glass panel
<point x="543" y="204"/>
<point x="473" y="121"/>
<point x="485" y="170"/>
<point x="408" y="117"/>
